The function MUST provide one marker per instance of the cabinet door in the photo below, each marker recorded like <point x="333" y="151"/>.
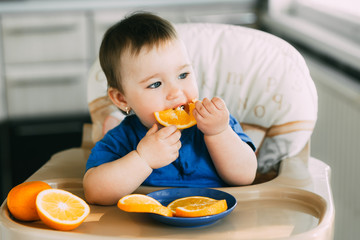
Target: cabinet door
<point x="45" y="89"/>
<point x="240" y="13"/>
<point x="45" y="37"/>
<point x="102" y="21"/>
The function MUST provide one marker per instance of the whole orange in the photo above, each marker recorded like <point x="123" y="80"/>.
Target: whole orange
<point x="21" y="200"/>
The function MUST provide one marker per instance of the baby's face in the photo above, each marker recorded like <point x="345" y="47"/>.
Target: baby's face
<point x="157" y="79"/>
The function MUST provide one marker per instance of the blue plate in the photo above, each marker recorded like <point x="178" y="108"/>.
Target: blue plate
<point x="166" y="196"/>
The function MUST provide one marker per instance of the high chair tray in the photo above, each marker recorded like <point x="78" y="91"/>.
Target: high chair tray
<point x="290" y="206"/>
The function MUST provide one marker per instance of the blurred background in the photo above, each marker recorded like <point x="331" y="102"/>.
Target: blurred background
<point x="48" y="47"/>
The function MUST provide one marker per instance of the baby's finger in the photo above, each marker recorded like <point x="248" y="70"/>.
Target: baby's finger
<point x="152" y="130"/>
<point x="174" y="137"/>
<point x="209" y="105"/>
<point x="197" y="115"/>
<point x="167" y="131"/>
<point x="175" y="155"/>
<point x="218" y="103"/>
<point x="200" y="109"/>
<point x="178" y="144"/>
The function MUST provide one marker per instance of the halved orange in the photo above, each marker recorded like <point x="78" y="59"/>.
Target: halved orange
<point x="60" y="209"/>
<point x="182" y="116"/>
<point x="197" y="206"/>
<point x="143" y="203"/>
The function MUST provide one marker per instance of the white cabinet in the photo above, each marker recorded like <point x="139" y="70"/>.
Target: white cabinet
<point x="46" y="49"/>
<point x="240" y="13"/>
<point x="45" y="63"/>
<point x="3" y="112"/>
<point x="45" y="37"/>
<point x="48" y="88"/>
<point x="102" y="21"/>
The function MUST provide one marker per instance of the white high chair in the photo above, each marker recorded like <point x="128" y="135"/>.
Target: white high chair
<point x="267" y="87"/>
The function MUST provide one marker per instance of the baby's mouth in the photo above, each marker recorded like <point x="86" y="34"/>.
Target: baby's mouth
<point x="184" y="107"/>
<point x="181" y="107"/>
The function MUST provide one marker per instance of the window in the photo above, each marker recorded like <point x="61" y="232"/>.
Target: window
<point x="328" y="28"/>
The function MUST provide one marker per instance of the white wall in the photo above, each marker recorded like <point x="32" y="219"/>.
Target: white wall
<point x="335" y="141"/>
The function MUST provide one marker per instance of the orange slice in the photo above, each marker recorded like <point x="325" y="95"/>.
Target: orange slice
<point x="61" y="209"/>
<point x="181" y="116"/>
<point x="21" y="200"/>
<point x="142" y="203"/>
<point x="197" y="206"/>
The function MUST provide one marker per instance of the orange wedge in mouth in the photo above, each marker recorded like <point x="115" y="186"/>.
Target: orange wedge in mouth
<point x="181" y="117"/>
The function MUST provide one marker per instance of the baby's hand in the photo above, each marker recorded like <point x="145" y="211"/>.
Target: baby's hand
<point x="160" y="148"/>
<point x="212" y="116"/>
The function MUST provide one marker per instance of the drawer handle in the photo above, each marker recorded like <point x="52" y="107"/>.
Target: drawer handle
<point x="40" y="29"/>
<point x="43" y="81"/>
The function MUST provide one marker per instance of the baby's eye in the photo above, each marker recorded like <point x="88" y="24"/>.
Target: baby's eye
<point x="155" y="85"/>
<point x="183" y="75"/>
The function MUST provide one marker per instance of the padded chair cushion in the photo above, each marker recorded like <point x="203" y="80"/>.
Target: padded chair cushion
<point x="264" y="81"/>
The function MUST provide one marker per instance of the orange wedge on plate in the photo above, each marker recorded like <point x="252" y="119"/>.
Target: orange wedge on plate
<point x="197" y="206"/>
<point x="60" y="209"/>
<point x="144" y="204"/>
<point x="182" y="116"/>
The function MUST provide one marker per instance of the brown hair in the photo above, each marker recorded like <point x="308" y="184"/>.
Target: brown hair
<point x="134" y="32"/>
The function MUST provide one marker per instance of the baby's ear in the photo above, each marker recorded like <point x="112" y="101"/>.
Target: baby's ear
<point x="117" y="98"/>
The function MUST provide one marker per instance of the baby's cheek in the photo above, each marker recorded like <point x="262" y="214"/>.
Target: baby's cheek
<point x="149" y="121"/>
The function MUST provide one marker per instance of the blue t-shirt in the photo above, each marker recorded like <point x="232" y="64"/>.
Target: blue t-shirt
<point x="193" y="167"/>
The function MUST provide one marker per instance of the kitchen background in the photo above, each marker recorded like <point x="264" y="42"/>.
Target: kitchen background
<point x="47" y="48"/>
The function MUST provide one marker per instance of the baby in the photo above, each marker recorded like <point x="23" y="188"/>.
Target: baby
<point x="148" y="70"/>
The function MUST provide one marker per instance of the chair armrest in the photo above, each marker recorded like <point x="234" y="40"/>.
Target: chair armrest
<point x="86" y="141"/>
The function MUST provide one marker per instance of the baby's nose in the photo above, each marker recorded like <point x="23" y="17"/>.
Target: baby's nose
<point x="173" y="92"/>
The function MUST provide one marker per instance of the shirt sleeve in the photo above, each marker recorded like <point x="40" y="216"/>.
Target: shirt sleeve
<point x="235" y="125"/>
<point x="114" y="145"/>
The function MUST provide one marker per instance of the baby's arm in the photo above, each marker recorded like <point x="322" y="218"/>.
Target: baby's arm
<point x="234" y="159"/>
<point x="107" y="183"/>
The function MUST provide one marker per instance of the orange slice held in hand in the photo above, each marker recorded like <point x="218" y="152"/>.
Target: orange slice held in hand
<point x="181" y="117"/>
<point x="143" y="203"/>
<point x="197" y="206"/>
<point x="60" y="209"/>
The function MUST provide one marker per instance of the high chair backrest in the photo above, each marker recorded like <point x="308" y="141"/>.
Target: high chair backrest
<point x="264" y="81"/>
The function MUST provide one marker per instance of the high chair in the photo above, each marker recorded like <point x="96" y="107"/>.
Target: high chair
<point x="267" y="86"/>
